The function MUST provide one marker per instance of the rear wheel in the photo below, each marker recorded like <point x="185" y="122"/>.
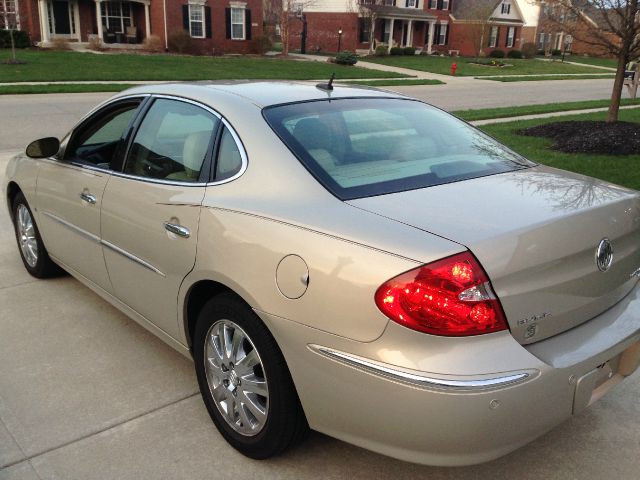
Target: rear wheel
<point x="32" y="251"/>
<point x="244" y="380"/>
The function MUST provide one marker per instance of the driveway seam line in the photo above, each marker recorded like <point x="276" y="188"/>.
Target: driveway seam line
<point x="92" y="434"/>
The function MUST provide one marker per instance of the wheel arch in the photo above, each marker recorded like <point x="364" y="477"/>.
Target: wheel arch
<point x="12" y="190"/>
<point x="197" y="295"/>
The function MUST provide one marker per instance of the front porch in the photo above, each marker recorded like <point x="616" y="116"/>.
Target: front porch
<point x="117" y="23"/>
<point x="402" y="27"/>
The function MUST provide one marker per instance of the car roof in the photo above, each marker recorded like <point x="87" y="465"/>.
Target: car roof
<point x="261" y="94"/>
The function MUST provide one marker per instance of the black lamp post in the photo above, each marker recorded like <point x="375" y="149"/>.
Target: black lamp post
<point x="339" y="39"/>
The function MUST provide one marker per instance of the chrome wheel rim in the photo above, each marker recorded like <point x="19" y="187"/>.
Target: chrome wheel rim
<point x="236" y="378"/>
<point x="27" y="236"/>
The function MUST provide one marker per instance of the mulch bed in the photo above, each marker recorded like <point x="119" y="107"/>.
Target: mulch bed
<point x="619" y="138"/>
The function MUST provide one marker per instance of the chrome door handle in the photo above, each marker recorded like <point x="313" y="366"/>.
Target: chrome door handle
<point x="87" y="197"/>
<point x="177" y="229"/>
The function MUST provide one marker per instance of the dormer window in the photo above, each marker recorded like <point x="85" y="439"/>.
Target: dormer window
<point x="506" y="8"/>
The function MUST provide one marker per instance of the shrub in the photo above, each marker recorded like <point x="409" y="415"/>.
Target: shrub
<point x="514" y="54"/>
<point x="529" y="50"/>
<point x="261" y="45"/>
<point x="556" y="53"/>
<point x="60" y="44"/>
<point x="346" y="58"/>
<point x="20" y="38"/>
<point x="397" y="51"/>
<point x="153" y="44"/>
<point x="381" y="51"/>
<point x="179" y="41"/>
<point x="540" y="52"/>
<point x="409" y="50"/>
<point x="95" y="43"/>
<point x="497" y="54"/>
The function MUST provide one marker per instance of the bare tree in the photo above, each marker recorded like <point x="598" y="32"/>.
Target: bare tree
<point x="479" y="17"/>
<point x="9" y="20"/>
<point x="289" y="13"/>
<point x="609" y="26"/>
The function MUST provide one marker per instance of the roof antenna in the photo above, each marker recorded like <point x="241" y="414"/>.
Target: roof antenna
<point x="327" y="86"/>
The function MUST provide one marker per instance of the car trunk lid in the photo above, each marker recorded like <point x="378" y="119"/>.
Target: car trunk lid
<point x="536" y="232"/>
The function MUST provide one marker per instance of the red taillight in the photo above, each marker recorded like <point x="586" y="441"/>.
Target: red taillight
<point x="451" y="297"/>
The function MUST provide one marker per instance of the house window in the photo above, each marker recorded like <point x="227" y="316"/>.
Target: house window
<point x="433" y="4"/>
<point x="442" y="34"/>
<point x="365" y="29"/>
<point x="506" y="8"/>
<point x="511" y="35"/>
<point x="237" y="24"/>
<point x="541" y="41"/>
<point x="116" y="16"/>
<point x="8" y="17"/>
<point x="445" y="4"/>
<point x="493" y="37"/>
<point x="411" y="3"/>
<point x="196" y="21"/>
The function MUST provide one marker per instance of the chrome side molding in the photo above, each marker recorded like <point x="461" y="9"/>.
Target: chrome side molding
<point x="391" y="372"/>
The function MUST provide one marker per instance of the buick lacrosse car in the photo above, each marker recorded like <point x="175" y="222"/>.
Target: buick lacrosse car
<point x="341" y="259"/>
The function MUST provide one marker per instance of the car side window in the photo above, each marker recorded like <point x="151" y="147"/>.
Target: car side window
<point x="96" y="143"/>
<point x="172" y="142"/>
<point x="229" y="158"/>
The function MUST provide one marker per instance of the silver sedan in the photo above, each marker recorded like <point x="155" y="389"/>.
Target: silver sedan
<point x="342" y="259"/>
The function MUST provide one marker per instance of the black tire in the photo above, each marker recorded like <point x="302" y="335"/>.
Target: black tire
<point x="44" y="267"/>
<point x="285" y="422"/>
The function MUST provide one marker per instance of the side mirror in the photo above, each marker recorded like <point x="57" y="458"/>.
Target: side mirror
<point x="43" y="148"/>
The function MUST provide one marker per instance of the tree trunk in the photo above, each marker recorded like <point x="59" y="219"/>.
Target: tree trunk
<point x="284" y="31"/>
<point x="618" y="84"/>
<point x="13" y="46"/>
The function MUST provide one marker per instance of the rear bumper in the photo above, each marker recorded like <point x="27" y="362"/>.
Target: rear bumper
<point x="446" y="401"/>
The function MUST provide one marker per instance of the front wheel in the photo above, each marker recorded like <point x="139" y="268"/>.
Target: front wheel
<point x="244" y="380"/>
<point x="32" y="251"/>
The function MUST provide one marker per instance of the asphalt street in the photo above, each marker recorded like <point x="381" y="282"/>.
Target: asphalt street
<point x="33" y="116"/>
<point x="86" y="393"/>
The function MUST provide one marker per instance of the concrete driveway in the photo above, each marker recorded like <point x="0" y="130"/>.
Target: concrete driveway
<point x="85" y="393"/>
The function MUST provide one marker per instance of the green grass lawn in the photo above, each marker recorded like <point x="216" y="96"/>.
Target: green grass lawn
<point x="505" y="112"/>
<point x="442" y="65"/>
<point x="63" y="88"/>
<point x="51" y="66"/>
<point x="539" y="78"/>
<point x="600" y="62"/>
<point x="622" y="170"/>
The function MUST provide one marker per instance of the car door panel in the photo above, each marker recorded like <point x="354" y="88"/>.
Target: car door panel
<point x="146" y="262"/>
<point x="69" y="200"/>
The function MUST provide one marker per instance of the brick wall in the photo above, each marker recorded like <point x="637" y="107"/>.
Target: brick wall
<point x="462" y="39"/>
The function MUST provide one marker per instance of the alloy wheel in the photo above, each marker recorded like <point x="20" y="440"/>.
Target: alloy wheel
<point x="27" y="236"/>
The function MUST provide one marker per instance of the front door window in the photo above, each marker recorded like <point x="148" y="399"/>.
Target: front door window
<point x="61" y="15"/>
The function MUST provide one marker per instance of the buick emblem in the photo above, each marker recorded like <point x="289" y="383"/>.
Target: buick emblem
<point x="604" y="255"/>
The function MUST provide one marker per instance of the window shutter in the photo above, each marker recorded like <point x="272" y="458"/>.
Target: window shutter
<point x="207" y="21"/>
<point x="247" y="19"/>
<point x="446" y="35"/>
<point x="436" y="35"/>
<point x="185" y="17"/>
<point x="361" y="29"/>
<point x="439" y="4"/>
<point x="227" y="21"/>
<point x="506" y="38"/>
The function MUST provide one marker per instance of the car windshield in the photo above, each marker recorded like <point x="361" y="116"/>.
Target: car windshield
<point x="372" y="146"/>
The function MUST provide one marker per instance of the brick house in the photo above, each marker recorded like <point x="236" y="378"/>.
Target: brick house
<point x="508" y="25"/>
<point x="556" y="22"/>
<point x="428" y="25"/>
<point x="226" y="26"/>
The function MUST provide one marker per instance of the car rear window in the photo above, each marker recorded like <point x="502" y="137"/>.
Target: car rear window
<point x="372" y="146"/>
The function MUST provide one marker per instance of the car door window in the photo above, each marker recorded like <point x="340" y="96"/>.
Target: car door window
<point x="96" y="142"/>
<point x="229" y="160"/>
<point x="172" y="142"/>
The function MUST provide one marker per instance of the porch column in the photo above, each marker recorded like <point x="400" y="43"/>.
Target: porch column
<point x="44" y="21"/>
<point x="147" y="22"/>
<point x="372" y="35"/>
<point x="390" y="35"/>
<point x="432" y="30"/>
<point x="409" y="34"/>
<point x="99" y="19"/>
